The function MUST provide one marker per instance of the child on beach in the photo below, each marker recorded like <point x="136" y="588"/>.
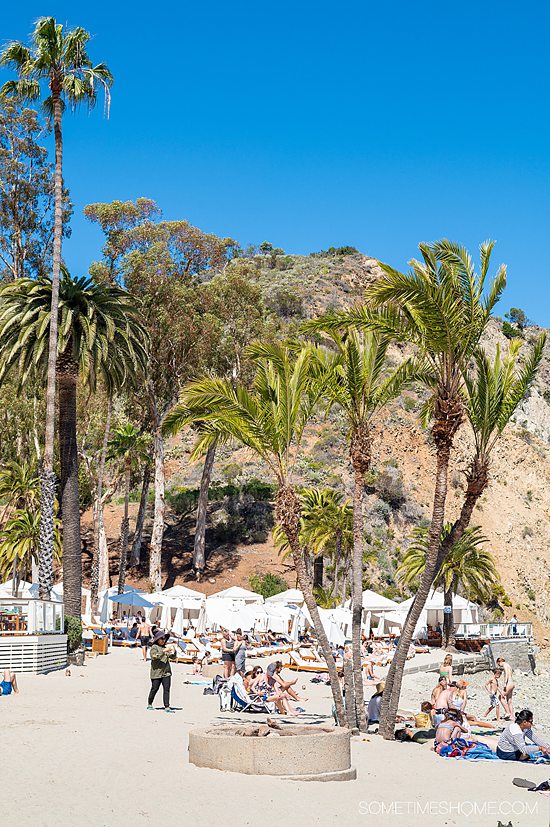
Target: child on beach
<point x="493" y="689"/>
<point x="197" y="666"/>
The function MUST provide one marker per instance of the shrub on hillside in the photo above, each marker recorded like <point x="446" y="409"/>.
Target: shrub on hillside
<point x="267" y="584"/>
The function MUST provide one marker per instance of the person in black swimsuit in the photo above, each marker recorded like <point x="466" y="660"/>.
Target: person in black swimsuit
<point x="228" y="655"/>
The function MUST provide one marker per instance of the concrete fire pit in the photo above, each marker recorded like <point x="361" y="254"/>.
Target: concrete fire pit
<point x="298" y="753"/>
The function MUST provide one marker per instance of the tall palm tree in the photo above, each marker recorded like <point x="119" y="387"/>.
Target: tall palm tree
<point x="467" y="566"/>
<point x="57" y="70"/>
<point x="354" y="375"/>
<point x="441" y="307"/>
<point x="19" y="544"/>
<point x="326" y="530"/>
<point x="128" y="446"/>
<point x="270" y="420"/>
<point x="100" y="335"/>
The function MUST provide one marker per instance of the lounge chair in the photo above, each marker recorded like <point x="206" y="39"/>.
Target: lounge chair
<point x="241" y="701"/>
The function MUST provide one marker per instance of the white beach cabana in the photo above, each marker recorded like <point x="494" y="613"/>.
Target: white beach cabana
<point x="106" y="607"/>
<point x="177" y="608"/>
<point x="236" y="593"/>
<point x="289" y="597"/>
<point x="231" y="614"/>
<point x="464" y="611"/>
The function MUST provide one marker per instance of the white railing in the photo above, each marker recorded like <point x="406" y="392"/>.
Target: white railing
<point x="495" y="630"/>
<point x="27" y="616"/>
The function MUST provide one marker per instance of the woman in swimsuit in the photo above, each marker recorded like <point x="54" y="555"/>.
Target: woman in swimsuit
<point x="446" y="668"/>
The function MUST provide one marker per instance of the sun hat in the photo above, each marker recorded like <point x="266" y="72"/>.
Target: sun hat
<point x="159" y="635"/>
<point x="380" y="686"/>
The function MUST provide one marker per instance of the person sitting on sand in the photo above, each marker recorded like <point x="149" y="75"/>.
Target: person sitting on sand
<point x="197" y="666"/>
<point x="369" y="675"/>
<point x="493" y="689"/>
<point x="9" y="683"/>
<point x="444" y="703"/>
<point x="438" y="689"/>
<point x="450" y="728"/>
<point x="274" y="680"/>
<point x="373" y="708"/>
<point x="512" y="744"/>
<point x="260" y="688"/>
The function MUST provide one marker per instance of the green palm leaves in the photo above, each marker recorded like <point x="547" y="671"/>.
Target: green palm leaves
<point x="468" y="565"/>
<point x="493" y="390"/>
<point x="58" y="58"/>
<point x="19" y="541"/>
<point x="269" y="419"/>
<point x="99" y="330"/>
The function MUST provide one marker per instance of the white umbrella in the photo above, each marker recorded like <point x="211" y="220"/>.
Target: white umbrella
<point x="201" y="622"/>
<point x="380" y="628"/>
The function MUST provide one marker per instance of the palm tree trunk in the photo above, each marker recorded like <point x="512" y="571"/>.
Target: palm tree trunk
<point x="70" y="506"/>
<point x="157" y="533"/>
<point x="47" y="476"/>
<point x="336" y="569"/>
<point x="318" y="571"/>
<point x="199" y="548"/>
<point x="135" y="556"/>
<point x="98" y="563"/>
<point x="394" y="679"/>
<point x="448" y="619"/>
<point x="124" y="530"/>
<point x="357" y="599"/>
<point x="288" y="514"/>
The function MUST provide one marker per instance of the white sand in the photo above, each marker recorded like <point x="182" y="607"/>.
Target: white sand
<point x="83" y="750"/>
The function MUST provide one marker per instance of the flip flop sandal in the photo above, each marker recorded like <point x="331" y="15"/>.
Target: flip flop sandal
<point x="523" y="782"/>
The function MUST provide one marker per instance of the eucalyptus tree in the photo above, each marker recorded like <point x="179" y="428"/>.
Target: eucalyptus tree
<point x="100" y="336"/>
<point x="55" y="70"/>
<point x="269" y="419"/>
<point x="159" y="262"/>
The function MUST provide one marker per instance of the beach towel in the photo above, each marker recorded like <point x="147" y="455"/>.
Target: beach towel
<point x="469" y="750"/>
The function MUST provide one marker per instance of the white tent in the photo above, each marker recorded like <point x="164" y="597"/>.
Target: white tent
<point x="464" y="611"/>
<point x="237" y="593"/>
<point x="293" y="596"/>
<point x="183" y="591"/>
<point x="374" y="602"/>
<point x="86" y="597"/>
<point x="230" y="614"/>
<point x="106" y="606"/>
<point x="24" y="589"/>
<point x="176" y="612"/>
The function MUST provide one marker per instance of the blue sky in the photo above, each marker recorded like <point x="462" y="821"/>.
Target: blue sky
<point x="316" y="124"/>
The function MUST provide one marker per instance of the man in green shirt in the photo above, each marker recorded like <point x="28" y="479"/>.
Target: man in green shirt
<point x="161" y="671"/>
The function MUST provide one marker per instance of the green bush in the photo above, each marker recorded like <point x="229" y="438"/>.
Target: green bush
<point x="73" y="630"/>
<point x="510" y="331"/>
<point x="267" y="584"/>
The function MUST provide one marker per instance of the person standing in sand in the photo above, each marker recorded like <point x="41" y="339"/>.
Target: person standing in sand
<point x="493" y="689"/>
<point x="161" y="671"/>
<point x="144" y="635"/>
<point x="507" y="689"/>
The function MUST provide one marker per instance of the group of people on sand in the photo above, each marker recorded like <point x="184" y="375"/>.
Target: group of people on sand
<point x="446" y="720"/>
<point x="500" y="687"/>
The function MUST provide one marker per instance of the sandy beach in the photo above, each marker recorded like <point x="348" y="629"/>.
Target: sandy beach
<point x="83" y="750"/>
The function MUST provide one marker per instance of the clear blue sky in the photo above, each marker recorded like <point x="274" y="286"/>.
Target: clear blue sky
<point x="313" y="124"/>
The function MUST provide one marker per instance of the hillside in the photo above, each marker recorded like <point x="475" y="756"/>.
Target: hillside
<point x="514" y="513"/>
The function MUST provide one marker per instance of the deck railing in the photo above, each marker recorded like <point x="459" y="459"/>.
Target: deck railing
<point x="29" y="616"/>
<point x="495" y="630"/>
